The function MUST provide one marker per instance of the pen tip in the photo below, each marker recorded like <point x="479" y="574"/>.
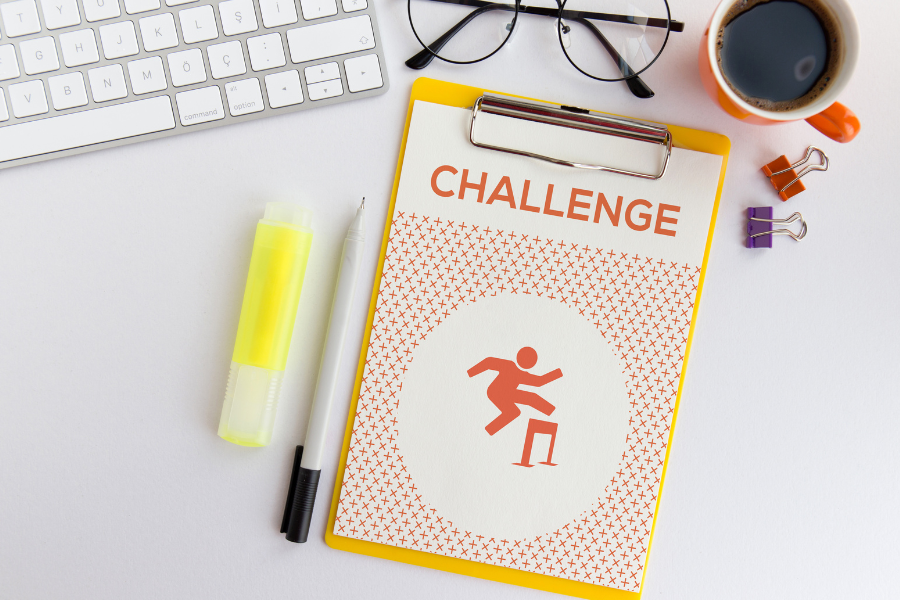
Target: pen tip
<point x="363" y="203"/>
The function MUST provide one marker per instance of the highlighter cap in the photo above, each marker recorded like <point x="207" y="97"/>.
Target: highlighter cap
<point x="290" y="213"/>
<point x="271" y="296"/>
<point x="251" y="399"/>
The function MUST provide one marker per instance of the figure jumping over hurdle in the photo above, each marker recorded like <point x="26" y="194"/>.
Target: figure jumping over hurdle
<point x="505" y="395"/>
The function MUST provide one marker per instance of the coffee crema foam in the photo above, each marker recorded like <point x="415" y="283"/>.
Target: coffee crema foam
<point x="835" y="54"/>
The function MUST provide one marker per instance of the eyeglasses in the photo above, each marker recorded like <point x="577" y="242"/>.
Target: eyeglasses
<point x="607" y="40"/>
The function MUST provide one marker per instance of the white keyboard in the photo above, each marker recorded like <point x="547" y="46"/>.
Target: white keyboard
<point x="79" y="75"/>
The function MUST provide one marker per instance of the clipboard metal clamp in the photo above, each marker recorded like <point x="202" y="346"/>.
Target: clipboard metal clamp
<point x="575" y="118"/>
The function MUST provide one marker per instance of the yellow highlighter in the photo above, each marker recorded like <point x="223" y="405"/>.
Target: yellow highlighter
<point x="277" y="267"/>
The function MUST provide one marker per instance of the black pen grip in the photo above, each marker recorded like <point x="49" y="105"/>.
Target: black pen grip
<point x="301" y="499"/>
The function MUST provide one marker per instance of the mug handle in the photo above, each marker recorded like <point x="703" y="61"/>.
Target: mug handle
<point x="837" y="122"/>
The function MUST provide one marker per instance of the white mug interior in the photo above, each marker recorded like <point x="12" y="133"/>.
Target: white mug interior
<point x="845" y="19"/>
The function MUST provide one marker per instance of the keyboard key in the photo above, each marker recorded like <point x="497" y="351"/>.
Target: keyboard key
<point x="186" y="67"/>
<point x="278" y="12"/>
<point x="107" y="83"/>
<point x="244" y="97"/>
<point x="352" y="5"/>
<point x="198" y="24"/>
<point x="226" y="60"/>
<point x="178" y="2"/>
<point x="118" y="40"/>
<point x="266" y="52"/>
<point x="315" y="9"/>
<point x="67" y="91"/>
<point x="85" y="128"/>
<point x="238" y="16"/>
<point x="100" y="10"/>
<point x="39" y="55"/>
<point x="284" y="89"/>
<point x="60" y="13"/>
<point x="4" y="113"/>
<point x="323" y="72"/>
<point x="330" y="39"/>
<point x="158" y="32"/>
<point x="20" y="18"/>
<point x="9" y="67"/>
<point x="200" y="106"/>
<point x="133" y="7"/>
<point x="79" y="48"/>
<point x="326" y="89"/>
<point x="363" y="73"/>
<point x="147" y="75"/>
<point x="27" y="99"/>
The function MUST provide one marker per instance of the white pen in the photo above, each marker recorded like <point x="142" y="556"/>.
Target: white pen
<point x="308" y="458"/>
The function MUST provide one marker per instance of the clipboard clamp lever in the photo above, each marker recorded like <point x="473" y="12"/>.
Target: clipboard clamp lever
<point x="574" y="118"/>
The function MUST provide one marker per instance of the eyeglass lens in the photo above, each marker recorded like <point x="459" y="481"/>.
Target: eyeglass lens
<point x="613" y="39"/>
<point x="462" y="33"/>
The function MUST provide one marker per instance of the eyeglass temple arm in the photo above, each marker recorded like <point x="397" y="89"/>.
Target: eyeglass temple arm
<point x="676" y="26"/>
<point x="634" y="83"/>
<point x="424" y="58"/>
<point x="572" y="15"/>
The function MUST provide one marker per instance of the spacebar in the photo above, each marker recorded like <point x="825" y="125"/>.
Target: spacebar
<point x="85" y="128"/>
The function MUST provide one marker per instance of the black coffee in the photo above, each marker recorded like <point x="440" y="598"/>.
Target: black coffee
<point x="778" y="54"/>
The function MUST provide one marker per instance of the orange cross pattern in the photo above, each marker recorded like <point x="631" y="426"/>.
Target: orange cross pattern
<point x="641" y="305"/>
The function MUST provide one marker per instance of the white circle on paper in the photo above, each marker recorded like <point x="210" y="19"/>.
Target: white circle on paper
<point x="467" y="475"/>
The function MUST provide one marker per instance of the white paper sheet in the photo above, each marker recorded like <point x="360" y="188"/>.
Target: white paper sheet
<point x="486" y="291"/>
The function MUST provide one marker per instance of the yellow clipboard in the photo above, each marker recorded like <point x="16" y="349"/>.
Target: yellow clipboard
<point x="451" y="94"/>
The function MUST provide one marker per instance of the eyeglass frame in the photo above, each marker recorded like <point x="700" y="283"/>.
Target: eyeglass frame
<point x="424" y="57"/>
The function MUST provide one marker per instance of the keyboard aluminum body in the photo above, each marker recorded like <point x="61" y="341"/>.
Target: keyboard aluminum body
<point x="161" y="67"/>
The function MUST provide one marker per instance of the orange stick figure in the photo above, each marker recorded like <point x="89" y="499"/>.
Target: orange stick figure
<point x="504" y="392"/>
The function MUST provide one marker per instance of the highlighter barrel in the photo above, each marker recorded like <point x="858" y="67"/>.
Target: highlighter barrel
<point x="271" y="296"/>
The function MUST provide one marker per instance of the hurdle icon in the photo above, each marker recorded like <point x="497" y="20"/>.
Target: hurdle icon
<point x="536" y="426"/>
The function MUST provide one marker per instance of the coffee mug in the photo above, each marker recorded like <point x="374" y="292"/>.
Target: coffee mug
<point x="825" y="114"/>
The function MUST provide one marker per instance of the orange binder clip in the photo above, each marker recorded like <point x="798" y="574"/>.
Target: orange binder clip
<point x="784" y="176"/>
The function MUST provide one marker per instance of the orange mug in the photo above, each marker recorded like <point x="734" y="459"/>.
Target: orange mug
<point x="825" y="114"/>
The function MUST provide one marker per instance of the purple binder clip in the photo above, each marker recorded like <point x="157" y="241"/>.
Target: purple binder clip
<point x="759" y="227"/>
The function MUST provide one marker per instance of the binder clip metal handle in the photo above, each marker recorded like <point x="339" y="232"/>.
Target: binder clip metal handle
<point x="780" y="166"/>
<point x="574" y="118"/>
<point x="759" y="227"/>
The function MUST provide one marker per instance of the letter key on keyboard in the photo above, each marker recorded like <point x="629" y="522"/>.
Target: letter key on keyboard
<point x="80" y="75"/>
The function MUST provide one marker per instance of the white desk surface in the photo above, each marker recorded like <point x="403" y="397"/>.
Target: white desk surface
<point x="121" y="275"/>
